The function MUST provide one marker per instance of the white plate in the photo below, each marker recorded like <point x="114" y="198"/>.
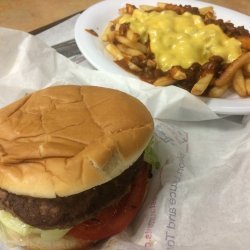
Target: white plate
<point x="98" y="16"/>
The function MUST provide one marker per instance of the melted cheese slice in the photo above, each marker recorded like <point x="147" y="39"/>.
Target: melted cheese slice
<point x="181" y="39"/>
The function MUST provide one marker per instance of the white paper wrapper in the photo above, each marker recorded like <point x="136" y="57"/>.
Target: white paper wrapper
<point x="200" y="197"/>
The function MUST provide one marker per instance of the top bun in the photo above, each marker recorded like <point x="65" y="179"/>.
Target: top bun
<point x="64" y="140"/>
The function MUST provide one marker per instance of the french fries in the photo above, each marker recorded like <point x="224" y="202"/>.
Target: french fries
<point x="216" y="92"/>
<point x="246" y="70"/>
<point x="200" y="87"/>
<point x="239" y="83"/>
<point x="131" y="44"/>
<point x="232" y="69"/>
<point x="247" y="83"/>
<point x="164" y="81"/>
<point x="114" y="51"/>
<point x="133" y="52"/>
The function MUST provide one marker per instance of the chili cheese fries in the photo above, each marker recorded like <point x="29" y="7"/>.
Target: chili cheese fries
<point x="181" y="45"/>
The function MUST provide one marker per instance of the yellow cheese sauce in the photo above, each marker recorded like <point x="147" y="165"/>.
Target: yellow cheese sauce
<point x="181" y="39"/>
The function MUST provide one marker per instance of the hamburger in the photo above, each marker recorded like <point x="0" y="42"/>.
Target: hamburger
<point x="72" y="170"/>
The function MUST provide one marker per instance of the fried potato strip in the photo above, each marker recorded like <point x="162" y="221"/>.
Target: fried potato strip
<point x="232" y="69"/>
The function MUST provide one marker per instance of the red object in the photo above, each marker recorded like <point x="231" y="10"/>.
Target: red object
<point x="117" y="217"/>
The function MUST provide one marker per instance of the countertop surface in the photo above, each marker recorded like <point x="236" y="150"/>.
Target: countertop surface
<point x="36" y="15"/>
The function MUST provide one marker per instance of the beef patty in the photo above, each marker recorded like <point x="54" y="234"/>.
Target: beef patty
<point x="64" y="212"/>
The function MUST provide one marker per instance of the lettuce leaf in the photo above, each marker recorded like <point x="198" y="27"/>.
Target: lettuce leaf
<point x="150" y="156"/>
<point x="14" y="224"/>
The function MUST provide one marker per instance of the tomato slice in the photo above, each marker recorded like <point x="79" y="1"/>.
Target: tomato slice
<point x="117" y="217"/>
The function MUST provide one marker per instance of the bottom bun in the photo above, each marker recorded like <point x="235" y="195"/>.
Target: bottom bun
<point x="34" y="242"/>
